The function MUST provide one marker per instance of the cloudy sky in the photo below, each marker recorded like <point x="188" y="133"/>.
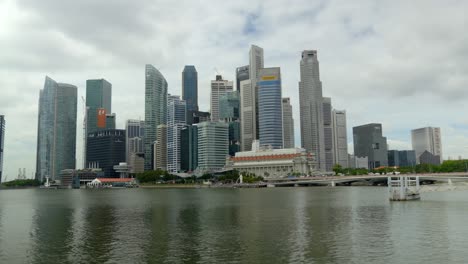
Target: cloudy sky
<point x="401" y="63"/>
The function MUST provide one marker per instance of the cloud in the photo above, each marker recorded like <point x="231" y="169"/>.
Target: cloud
<point x="403" y="64"/>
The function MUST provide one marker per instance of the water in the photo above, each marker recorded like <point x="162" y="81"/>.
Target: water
<point x="271" y="225"/>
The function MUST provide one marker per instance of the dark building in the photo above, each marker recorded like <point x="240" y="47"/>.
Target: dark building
<point x="393" y="158"/>
<point x="369" y="142"/>
<point x="429" y="158"/>
<point x="234" y="137"/>
<point x="242" y="74"/>
<point x="190" y="91"/>
<point x="401" y="158"/>
<point x="2" y="143"/>
<point x="229" y="112"/>
<point x="328" y="133"/>
<point x="105" y="149"/>
<point x="407" y="158"/>
<point x="199" y="116"/>
<point x="189" y="148"/>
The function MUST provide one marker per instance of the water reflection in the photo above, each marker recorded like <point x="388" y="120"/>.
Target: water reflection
<point x="51" y="235"/>
<point x="278" y="225"/>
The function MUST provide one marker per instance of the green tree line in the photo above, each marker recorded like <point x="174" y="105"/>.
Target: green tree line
<point x="22" y="183"/>
<point x="446" y="166"/>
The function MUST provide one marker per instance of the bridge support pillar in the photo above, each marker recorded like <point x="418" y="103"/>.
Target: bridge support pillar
<point x="333" y="184"/>
<point x="450" y="182"/>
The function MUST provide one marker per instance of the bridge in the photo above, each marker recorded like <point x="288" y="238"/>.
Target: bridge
<point x="347" y="180"/>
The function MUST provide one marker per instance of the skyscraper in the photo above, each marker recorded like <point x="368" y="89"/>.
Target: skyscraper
<point x="270" y="116"/>
<point x="2" y="143"/>
<point x="190" y="90"/>
<point x="98" y="114"/>
<point x="311" y="107"/>
<point x="189" y="148"/>
<point x="98" y="103"/>
<point x="135" y="132"/>
<point x="369" y="142"/>
<point x="247" y="117"/>
<point x="340" y="138"/>
<point x="160" y="148"/>
<point x="242" y="74"/>
<point x="106" y="148"/>
<point x="219" y="87"/>
<point x="212" y="146"/>
<point x="288" y="124"/>
<point x="176" y="113"/>
<point x="155" y="109"/>
<point x="229" y="112"/>
<point x="427" y="139"/>
<point x="255" y="64"/>
<point x="248" y="95"/>
<point x="56" y="137"/>
<point x="328" y="133"/>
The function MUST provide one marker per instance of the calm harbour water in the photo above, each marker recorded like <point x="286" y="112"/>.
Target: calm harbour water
<point x="271" y="225"/>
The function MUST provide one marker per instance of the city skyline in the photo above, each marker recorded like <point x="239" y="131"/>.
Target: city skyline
<point x="405" y="103"/>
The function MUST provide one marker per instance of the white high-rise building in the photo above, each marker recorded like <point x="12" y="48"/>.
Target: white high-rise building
<point x="288" y="124"/>
<point x="249" y="105"/>
<point x="426" y="139"/>
<point x="213" y="146"/>
<point x="176" y="114"/>
<point x="311" y="107"/>
<point x="246" y="115"/>
<point x="340" y="138"/>
<point x="155" y="109"/>
<point x="219" y="87"/>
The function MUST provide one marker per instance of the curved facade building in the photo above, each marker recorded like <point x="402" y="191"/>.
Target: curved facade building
<point x="155" y="109"/>
<point x="270" y="116"/>
<point x="56" y="138"/>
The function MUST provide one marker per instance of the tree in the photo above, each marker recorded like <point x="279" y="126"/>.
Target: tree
<point x="337" y="169"/>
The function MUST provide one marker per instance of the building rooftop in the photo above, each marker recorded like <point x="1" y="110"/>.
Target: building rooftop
<point x="106" y="180"/>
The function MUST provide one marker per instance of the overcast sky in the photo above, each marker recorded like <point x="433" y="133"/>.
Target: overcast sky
<point x="400" y="63"/>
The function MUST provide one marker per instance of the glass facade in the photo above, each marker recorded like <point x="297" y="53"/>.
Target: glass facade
<point x="369" y="142"/>
<point x="270" y="116"/>
<point x="212" y="146"/>
<point x="229" y="104"/>
<point x="135" y="132"/>
<point x="229" y="111"/>
<point x="176" y="113"/>
<point x="189" y="148"/>
<point x="98" y="96"/>
<point x="190" y="90"/>
<point x="2" y="143"/>
<point x="56" y="139"/>
<point x="106" y="148"/>
<point x="242" y="74"/>
<point x="155" y="109"/>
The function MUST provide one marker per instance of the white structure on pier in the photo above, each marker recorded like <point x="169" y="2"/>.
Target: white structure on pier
<point x="403" y="188"/>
